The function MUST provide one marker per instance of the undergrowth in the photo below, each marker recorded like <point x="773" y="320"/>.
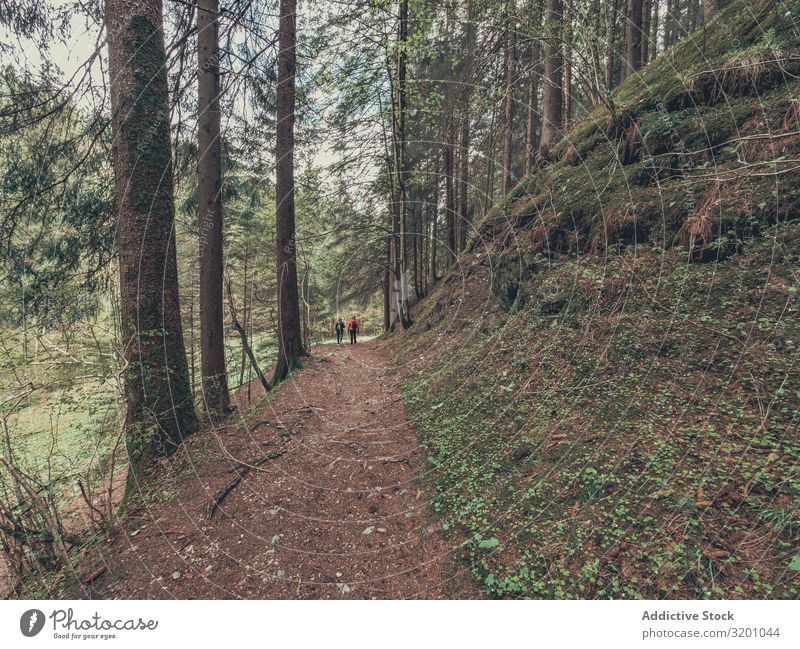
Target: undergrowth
<point x="628" y="431"/>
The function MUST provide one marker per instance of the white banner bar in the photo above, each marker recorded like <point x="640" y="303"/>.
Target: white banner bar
<point x="406" y="625"/>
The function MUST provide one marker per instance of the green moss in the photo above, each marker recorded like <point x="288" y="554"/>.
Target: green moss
<point x="670" y="138"/>
<point x="145" y="125"/>
<point x="557" y="435"/>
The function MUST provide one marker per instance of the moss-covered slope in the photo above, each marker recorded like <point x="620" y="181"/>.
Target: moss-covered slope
<point x="603" y="415"/>
<point x="700" y="149"/>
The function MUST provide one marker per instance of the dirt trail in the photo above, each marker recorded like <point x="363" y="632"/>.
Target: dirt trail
<point x="340" y="514"/>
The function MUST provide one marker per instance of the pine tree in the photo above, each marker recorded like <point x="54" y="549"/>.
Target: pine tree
<point x="290" y="338"/>
<point x="553" y="76"/>
<point x="209" y="199"/>
<point x="159" y="410"/>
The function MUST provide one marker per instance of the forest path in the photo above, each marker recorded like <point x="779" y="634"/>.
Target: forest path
<point x="341" y="513"/>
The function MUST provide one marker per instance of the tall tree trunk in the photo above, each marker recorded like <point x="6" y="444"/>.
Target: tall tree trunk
<point x="192" y="367"/>
<point x="672" y="22"/>
<point x="245" y="316"/>
<point x="488" y="193"/>
<point x="535" y="8"/>
<point x="290" y="336"/>
<point x="695" y="15"/>
<point x="209" y="202"/>
<point x="508" y="113"/>
<point x="427" y="222"/>
<point x="394" y="293"/>
<point x="416" y="213"/>
<point x="159" y="409"/>
<point x="533" y="93"/>
<point x="567" y="65"/>
<point x="434" y="241"/>
<point x="401" y="171"/>
<point x="647" y="12"/>
<point x="449" y="190"/>
<point x="654" y="31"/>
<point x="633" y="38"/>
<point x="597" y="86"/>
<point x="463" y="182"/>
<point x="667" y="21"/>
<point x="685" y="17"/>
<point x="387" y="290"/>
<point x="693" y="12"/>
<point x="553" y="77"/>
<point x="611" y="43"/>
<point x="467" y="74"/>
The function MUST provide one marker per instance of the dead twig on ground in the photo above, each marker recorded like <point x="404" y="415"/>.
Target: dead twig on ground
<point x="95" y="574"/>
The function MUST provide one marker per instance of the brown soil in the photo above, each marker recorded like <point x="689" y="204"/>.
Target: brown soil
<point x="342" y="513"/>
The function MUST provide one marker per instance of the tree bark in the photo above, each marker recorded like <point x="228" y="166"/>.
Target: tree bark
<point x="567" y="65"/>
<point x="449" y="189"/>
<point x="209" y="201"/>
<point x="647" y="12"/>
<point x="463" y="184"/>
<point x="244" y="315"/>
<point x="392" y="292"/>
<point x="467" y="74"/>
<point x="434" y="241"/>
<point x="533" y="92"/>
<point x="488" y="193"/>
<point x="159" y="409"/>
<point x="671" y="23"/>
<point x="654" y="31"/>
<point x="633" y="38"/>
<point x="387" y="294"/>
<point x="290" y="337"/>
<point x="399" y="136"/>
<point x="418" y="217"/>
<point x="508" y="113"/>
<point x="611" y="43"/>
<point x="553" y="77"/>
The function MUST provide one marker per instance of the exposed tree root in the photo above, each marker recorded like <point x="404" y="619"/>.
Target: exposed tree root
<point x="220" y="496"/>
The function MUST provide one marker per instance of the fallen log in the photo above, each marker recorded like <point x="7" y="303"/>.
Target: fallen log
<point x="98" y="572"/>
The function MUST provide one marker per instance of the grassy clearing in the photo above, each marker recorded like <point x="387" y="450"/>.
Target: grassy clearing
<point x="69" y="422"/>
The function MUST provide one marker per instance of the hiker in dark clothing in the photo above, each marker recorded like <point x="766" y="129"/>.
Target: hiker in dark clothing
<point x="352" y="327"/>
<point x="339" y="331"/>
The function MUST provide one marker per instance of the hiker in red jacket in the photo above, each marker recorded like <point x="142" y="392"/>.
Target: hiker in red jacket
<point x="352" y="327"/>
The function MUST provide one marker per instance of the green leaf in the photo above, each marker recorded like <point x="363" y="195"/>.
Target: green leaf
<point x="795" y="563"/>
<point x="489" y="543"/>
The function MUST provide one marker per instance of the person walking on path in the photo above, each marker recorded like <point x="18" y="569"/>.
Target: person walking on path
<point x="339" y="331"/>
<point x="352" y="327"/>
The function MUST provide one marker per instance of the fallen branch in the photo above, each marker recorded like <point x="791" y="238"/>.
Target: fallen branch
<point x="216" y="501"/>
<point x="92" y="576"/>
